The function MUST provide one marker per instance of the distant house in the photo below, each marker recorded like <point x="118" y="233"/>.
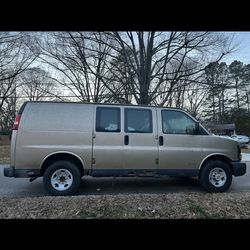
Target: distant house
<point x="222" y="129"/>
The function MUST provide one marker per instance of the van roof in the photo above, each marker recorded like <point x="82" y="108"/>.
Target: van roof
<point x="98" y="103"/>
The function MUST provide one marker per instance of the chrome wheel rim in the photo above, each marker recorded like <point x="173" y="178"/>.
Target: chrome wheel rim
<point x="217" y="177"/>
<point x="61" y="179"/>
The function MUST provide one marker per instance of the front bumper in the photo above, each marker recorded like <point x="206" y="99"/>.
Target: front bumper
<point x="239" y="168"/>
<point x="20" y="173"/>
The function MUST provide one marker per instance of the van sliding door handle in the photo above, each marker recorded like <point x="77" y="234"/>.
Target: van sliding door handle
<point x="126" y="140"/>
<point x="161" y="140"/>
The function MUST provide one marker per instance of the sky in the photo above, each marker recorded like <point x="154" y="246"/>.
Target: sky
<point x="242" y="39"/>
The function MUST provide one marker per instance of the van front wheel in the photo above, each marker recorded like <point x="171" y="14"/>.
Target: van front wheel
<point x="216" y="176"/>
<point x="62" y="178"/>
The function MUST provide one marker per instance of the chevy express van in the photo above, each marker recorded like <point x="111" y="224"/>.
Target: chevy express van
<point x="62" y="142"/>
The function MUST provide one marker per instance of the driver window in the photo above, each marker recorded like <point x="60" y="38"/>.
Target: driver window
<point x="176" y="122"/>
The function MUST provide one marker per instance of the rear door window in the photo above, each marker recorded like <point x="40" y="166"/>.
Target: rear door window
<point x="108" y="119"/>
<point x="138" y="120"/>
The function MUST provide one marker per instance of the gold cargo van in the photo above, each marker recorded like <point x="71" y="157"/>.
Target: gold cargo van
<point x="65" y="141"/>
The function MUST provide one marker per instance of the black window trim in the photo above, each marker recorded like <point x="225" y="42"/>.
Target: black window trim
<point x="97" y="120"/>
<point x="137" y="132"/>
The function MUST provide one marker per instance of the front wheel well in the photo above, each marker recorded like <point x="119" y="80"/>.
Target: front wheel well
<point x="62" y="156"/>
<point x="217" y="158"/>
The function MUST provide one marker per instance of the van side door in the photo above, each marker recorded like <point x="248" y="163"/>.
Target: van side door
<point x="107" y="140"/>
<point x="140" y="139"/>
<point x="180" y="147"/>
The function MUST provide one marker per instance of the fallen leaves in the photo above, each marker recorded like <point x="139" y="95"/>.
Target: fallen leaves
<point x="130" y="206"/>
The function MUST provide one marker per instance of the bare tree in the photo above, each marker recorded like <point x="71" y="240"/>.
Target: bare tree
<point x="8" y="114"/>
<point x="80" y="62"/>
<point x="36" y="84"/>
<point x="141" y="67"/>
<point x="196" y="97"/>
<point x="160" y="60"/>
<point x="15" y="57"/>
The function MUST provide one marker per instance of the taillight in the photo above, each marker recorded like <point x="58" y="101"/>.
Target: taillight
<point x="16" y="123"/>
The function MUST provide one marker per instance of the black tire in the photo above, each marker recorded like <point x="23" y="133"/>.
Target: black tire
<point x="64" y="175"/>
<point x="215" y="176"/>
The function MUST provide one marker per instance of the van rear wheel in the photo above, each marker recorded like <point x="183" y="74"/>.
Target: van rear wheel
<point x="215" y="176"/>
<point x="62" y="178"/>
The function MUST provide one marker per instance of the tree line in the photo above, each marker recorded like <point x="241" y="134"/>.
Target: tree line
<point x="179" y="69"/>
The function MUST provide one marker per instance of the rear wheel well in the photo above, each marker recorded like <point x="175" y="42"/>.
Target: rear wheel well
<point x="218" y="158"/>
<point x="62" y="156"/>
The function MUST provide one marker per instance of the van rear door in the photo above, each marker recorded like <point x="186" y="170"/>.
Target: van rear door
<point x="107" y="141"/>
<point x="140" y="139"/>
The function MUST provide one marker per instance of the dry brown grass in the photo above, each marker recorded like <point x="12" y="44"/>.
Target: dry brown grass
<point x="245" y="150"/>
<point x="4" y="154"/>
<point x="130" y="206"/>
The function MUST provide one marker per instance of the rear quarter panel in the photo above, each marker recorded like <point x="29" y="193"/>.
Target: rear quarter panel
<point x="47" y="128"/>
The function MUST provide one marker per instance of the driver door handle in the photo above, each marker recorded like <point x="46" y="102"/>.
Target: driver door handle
<point x="126" y="139"/>
<point x="161" y="142"/>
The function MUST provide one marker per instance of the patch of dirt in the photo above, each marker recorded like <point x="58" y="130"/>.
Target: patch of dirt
<point x="130" y="206"/>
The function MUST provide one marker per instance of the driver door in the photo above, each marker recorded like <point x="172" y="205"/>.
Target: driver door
<point x="178" y="149"/>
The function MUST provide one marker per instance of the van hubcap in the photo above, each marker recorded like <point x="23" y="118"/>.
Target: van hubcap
<point x="217" y="177"/>
<point x="61" y="179"/>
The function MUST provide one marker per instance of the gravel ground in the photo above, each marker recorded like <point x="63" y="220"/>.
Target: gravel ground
<point x="130" y="206"/>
